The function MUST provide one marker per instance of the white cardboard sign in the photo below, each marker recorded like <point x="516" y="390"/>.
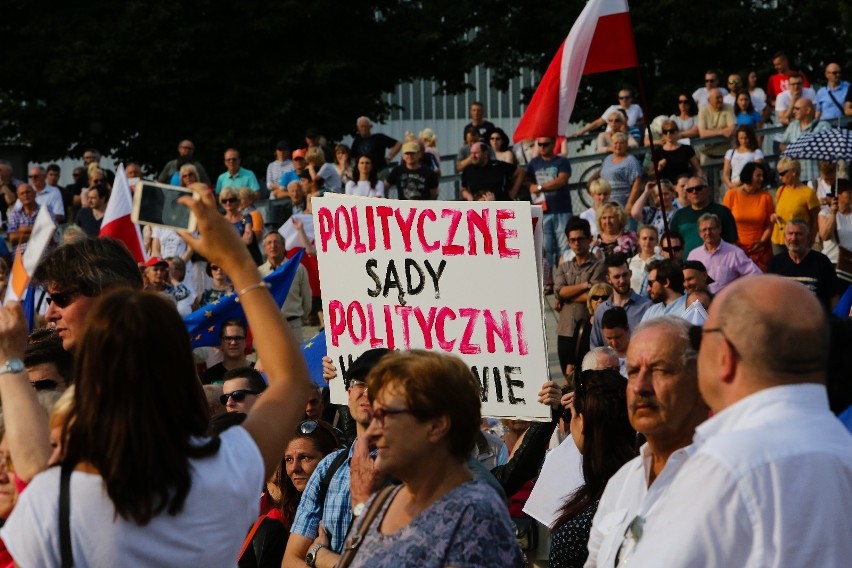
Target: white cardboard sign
<point x="452" y="277"/>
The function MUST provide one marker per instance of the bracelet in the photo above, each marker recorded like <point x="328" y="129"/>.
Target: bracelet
<point x="251" y="287"/>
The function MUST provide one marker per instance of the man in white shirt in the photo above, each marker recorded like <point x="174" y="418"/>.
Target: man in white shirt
<point x="769" y="476"/>
<point x="711" y="81"/>
<point x="664" y="404"/>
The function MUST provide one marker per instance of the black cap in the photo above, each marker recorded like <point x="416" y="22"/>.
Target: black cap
<point x="364" y="364"/>
<point x="282" y="145"/>
<point x="699" y="266"/>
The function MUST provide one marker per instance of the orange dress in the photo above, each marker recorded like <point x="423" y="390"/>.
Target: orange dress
<point x="752" y="212"/>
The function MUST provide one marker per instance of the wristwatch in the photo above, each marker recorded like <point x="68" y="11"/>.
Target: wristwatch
<point x="539" y="187"/>
<point x="358" y="509"/>
<point x="311" y="557"/>
<point x="12" y="366"/>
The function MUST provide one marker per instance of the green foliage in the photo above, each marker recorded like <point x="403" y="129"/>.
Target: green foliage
<point x="134" y="77"/>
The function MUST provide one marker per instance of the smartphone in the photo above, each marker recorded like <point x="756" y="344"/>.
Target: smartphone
<point x="157" y="204"/>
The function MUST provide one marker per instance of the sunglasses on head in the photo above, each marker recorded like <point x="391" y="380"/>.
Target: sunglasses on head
<point x="308" y="427"/>
<point x="237" y="395"/>
<point x="62" y="299"/>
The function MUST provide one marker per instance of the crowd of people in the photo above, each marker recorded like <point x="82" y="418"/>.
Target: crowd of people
<point x="703" y="347"/>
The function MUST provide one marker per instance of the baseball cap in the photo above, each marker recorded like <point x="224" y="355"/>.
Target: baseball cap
<point x="699" y="266"/>
<point x="410" y="147"/>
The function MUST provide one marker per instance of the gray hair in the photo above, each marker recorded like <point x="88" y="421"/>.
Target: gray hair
<point x="710" y="217"/>
<point x="590" y="361"/>
<point x="678" y="326"/>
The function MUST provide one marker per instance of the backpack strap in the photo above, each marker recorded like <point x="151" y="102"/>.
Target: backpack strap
<point x="65" y="516"/>
<point x="325" y="483"/>
<point x="250" y="536"/>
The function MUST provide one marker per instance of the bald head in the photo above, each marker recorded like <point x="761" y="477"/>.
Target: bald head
<point x="761" y="331"/>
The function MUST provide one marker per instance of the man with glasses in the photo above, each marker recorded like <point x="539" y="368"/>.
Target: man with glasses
<point x="663" y="404"/>
<point x="236" y="176"/>
<point x="548" y="176"/>
<point x="75" y="274"/>
<point x="768" y="476"/>
<point x="573" y="280"/>
<point x="805" y="122"/>
<point x="830" y="99"/>
<point x="786" y="102"/>
<point x="618" y="276"/>
<point x="233" y="346"/>
<point x="635" y="116"/>
<point x="701" y="94"/>
<point x="671" y="245"/>
<point x="339" y="502"/>
<point x="186" y="155"/>
<point x="241" y="388"/>
<point x="45" y="194"/>
<point x="685" y="220"/>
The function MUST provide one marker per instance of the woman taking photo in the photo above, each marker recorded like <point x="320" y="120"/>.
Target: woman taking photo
<point x="165" y="494"/>
<point x="366" y="182"/>
<point x="752" y="208"/>
<point x="652" y="214"/>
<point x="622" y="171"/>
<point x="425" y="421"/>
<point x="793" y="199"/>
<point x="746" y="150"/>
<point x="676" y="159"/>
<point x="613" y="235"/>
<point x="603" y="435"/>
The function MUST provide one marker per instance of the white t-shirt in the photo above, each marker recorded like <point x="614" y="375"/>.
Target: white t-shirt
<point x="700" y="95"/>
<point x="784" y="100"/>
<point x="171" y="244"/>
<point x="634" y="113"/>
<point x="221" y="506"/>
<point x="740" y="159"/>
<point x="363" y="189"/>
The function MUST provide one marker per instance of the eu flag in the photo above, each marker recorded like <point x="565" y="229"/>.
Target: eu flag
<point x="313" y="350"/>
<point x="203" y="324"/>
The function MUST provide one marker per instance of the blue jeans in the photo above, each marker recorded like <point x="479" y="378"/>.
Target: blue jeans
<point x="555" y="240"/>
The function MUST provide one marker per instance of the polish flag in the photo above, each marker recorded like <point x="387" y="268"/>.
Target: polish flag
<point x="26" y="262"/>
<point x="600" y="40"/>
<point x="117" y="223"/>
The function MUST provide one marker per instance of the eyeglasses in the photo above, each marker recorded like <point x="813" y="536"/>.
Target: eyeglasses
<point x="710" y="80"/>
<point x="62" y="299"/>
<point x="674" y="249"/>
<point x="695" y="189"/>
<point x="651" y="282"/>
<point x="233" y="338"/>
<point x="34" y="176"/>
<point x="696" y="333"/>
<point x="670" y="131"/>
<point x="794" y="83"/>
<point x="380" y="414"/>
<point x="237" y="395"/>
<point x="615" y="120"/>
<point x="624" y="98"/>
<point x="232" y="159"/>
<point x="833" y="72"/>
<point x="361" y="385"/>
<point x="783" y="172"/>
<point x="734" y="82"/>
<point x="599" y="298"/>
<point x="214" y="268"/>
<point x="44" y="384"/>
<point x="544" y="144"/>
<point x="576" y="239"/>
<point x="229" y="200"/>
<point x="682" y="101"/>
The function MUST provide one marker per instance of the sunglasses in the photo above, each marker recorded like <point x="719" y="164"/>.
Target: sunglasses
<point x="232" y="159"/>
<point x="599" y="298"/>
<point x="674" y="249"/>
<point x="233" y="338"/>
<point x="710" y="80"/>
<point x="682" y="101"/>
<point x="229" y="200"/>
<point x="237" y="395"/>
<point x="62" y="299"/>
<point x="670" y="131"/>
<point x="783" y="172"/>
<point x="308" y="427"/>
<point x="624" y="98"/>
<point x="44" y="384"/>
<point x="544" y="144"/>
<point x="695" y="189"/>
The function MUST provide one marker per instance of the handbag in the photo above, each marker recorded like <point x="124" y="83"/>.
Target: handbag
<point x="844" y="263"/>
<point x="350" y="547"/>
<point x="65" y="516"/>
<point x="526" y="533"/>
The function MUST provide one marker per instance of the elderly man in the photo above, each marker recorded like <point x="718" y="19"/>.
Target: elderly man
<point x="75" y="274"/>
<point x="716" y="119"/>
<point x="663" y="404"/>
<point x="297" y="304"/>
<point x="157" y="277"/>
<point x="767" y="480"/>
<point x="809" y="267"/>
<point x="665" y="289"/>
<point x="485" y="174"/>
<point x="241" y="387"/>
<point x="805" y="123"/>
<point x="186" y="155"/>
<point x="22" y="219"/>
<point x="685" y="219"/>
<point x="618" y="276"/>
<point x="236" y="176"/>
<point x="46" y="194"/>
<point x="724" y="262"/>
<point x="374" y="146"/>
<point x="830" y="98"/>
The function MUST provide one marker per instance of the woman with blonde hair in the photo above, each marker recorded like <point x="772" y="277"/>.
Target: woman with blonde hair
<point x="429" y="140"/>
<point x="599" y="189"/>
<point x="613" y="235"/>
<point x="317" y="167"/>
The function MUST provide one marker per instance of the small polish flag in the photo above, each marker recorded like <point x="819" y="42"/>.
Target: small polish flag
<point x="600" y="40"/>
<point x="26" y="262"/>
<point x="117" y="223"/>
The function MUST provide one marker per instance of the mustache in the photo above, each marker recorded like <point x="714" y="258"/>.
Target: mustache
<point x="649" y="402"/>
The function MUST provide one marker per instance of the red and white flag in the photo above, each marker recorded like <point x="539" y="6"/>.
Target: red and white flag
<point x="26" y="262"/>
<point x="117" y="223"/>
<point x="600" y="40"/>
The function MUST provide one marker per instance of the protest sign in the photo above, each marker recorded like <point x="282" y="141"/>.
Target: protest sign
<point x="452" y="277"/>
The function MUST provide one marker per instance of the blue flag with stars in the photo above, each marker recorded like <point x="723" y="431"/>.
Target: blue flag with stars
<point x="203" y="324"/>
<point x="313" y="350"/>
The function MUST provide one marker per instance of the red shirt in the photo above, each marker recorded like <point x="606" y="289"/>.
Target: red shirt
<point x="778" y="84"/>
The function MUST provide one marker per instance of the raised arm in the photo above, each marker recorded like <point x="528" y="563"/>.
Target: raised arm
<point x="274" y="416"/>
